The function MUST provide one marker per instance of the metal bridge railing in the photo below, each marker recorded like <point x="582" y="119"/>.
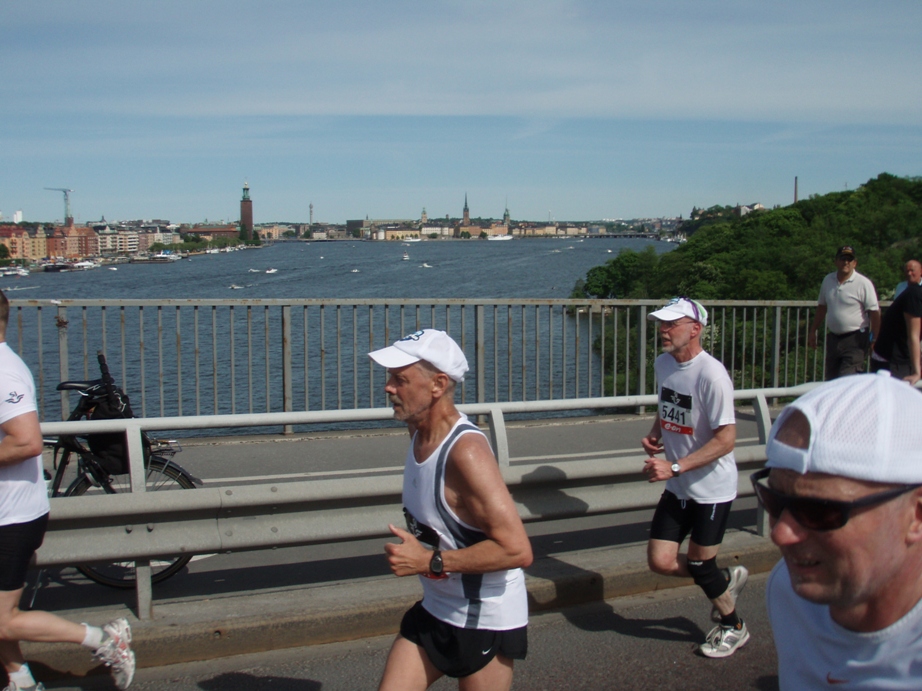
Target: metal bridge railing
<point x="195" y="357"/>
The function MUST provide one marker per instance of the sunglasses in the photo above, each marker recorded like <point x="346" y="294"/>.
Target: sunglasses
<point x="814" y="513"/>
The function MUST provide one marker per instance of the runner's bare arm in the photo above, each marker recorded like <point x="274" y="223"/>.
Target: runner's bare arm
<point x="720" y="444"/>
<point x="476" y="492"/>
<point x="23" y="439"/>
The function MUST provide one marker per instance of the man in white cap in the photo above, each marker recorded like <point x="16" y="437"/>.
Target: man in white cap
<point x="695" y="427"/>
<point x="843" y="491"/>
<point x="465" y="539"/>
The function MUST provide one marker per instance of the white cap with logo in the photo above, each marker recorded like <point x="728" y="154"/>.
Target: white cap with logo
<point x="434" y="346"/>
<point x="681" y="307"/>
<point x="864" y="427"/>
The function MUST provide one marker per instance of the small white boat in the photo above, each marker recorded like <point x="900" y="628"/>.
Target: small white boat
<point x="234" y="286"/>
<point x="271" y="271"/>
<point x="406" y="257"/>
<point x="355" y="271"/>
<point x="427" y="266"/>
<point x="499" y="237"/>
<point x="112" y="268"/>
<point x="412" y="239"/>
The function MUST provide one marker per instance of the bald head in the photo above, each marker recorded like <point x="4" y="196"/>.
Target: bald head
<point x="913" y="271"/>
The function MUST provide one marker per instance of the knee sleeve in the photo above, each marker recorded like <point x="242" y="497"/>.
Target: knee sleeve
<point x="708" y="577"/>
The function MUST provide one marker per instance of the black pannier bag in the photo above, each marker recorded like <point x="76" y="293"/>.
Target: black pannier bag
<point x="111" y="448"/>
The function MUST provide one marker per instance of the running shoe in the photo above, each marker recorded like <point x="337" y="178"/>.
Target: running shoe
<point x="723" y="641"/>
<point x="739" y="575"/>
<point x="116" y="652"/>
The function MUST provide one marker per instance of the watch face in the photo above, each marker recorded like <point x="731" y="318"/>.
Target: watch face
<point x="676" y="468"/>
<point x="435" y="564"/>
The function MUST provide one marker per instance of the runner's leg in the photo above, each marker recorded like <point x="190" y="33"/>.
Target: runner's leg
<point x="408" y="668"/>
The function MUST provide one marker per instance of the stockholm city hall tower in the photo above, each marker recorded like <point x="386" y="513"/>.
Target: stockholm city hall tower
<point x="246" y="212"/>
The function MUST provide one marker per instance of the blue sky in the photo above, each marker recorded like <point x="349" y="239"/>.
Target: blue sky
<point x="568" y="110"/>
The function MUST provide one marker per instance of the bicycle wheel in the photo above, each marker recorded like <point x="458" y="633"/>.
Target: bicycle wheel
<point x="161" y="476"/>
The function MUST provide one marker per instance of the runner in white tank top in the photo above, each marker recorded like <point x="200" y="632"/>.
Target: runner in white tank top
<point x="466" y="540"/>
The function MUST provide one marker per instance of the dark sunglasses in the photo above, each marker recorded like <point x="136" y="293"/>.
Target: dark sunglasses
<point x="813" y="513"/>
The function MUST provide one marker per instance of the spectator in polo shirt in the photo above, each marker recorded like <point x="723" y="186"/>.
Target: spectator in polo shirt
<point x="848" y="305"/>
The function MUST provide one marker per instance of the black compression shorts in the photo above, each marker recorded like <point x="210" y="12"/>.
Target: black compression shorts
<point x="458" y="652"/>
<point x="18" y="542"/>
<point x="675" y="518"/>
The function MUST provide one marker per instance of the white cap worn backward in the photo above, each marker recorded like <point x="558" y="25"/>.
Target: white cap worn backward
<point x="681" y="307"/>
<point x="435" y="347"/>
<point x="864" y="427"/>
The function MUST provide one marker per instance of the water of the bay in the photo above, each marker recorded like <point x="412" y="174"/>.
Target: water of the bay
<point x="236" y="365"/>
<point x="530" y="268"/>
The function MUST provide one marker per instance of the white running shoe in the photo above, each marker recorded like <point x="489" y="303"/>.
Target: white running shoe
<point x="739" y="575"/>
<point x="116" y="652"/>
<point x="723" y="641"/>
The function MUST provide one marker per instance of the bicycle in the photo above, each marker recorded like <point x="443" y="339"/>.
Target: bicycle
<point x="102" y="467"/>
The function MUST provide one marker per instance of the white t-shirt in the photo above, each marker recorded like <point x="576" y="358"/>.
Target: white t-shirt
<point x="23" y="496"/>
<point x="695" y="398"/>
<point x="848" y="303"/>
<point x="815" y="652"/>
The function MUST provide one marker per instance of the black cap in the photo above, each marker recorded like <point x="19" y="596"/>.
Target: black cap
<point x="846" y="251"/>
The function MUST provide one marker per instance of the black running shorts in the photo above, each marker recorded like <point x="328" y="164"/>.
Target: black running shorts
<point x="458" y="652"/>
<point x="18" y="542"/>
<point x="675" y="518"/>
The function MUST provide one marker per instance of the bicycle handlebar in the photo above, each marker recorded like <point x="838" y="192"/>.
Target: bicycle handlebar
<point x="107" y="380"/>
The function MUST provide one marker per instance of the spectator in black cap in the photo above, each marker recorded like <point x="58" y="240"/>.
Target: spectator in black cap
<point x="848" y="306"/>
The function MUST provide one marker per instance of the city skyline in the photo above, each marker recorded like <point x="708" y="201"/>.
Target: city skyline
<point x="572" y="111"/>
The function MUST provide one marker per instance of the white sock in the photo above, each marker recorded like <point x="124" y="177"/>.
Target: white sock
<point x="93" y="638"/>
<point x="23" y="678"/>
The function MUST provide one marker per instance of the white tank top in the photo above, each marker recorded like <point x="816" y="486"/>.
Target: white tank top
<point x="495" y="601"/>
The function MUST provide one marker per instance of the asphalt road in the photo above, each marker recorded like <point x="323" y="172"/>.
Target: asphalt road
<point x="640" y="642"/>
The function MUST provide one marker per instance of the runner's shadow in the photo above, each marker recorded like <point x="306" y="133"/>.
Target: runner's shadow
<point x="600" y="616"/>
<point x="232" y="681"/>
<point x="569" y="587"/>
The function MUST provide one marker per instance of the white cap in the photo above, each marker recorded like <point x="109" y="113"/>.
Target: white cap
<point x="435" y="347"/>
<point x="681" y="307"/>
<point x="864" y="427"/>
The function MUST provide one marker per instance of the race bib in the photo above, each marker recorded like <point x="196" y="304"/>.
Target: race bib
<point x="675" y="412"/>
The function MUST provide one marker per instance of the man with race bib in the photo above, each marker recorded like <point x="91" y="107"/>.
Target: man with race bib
<point x="695" y="428"/>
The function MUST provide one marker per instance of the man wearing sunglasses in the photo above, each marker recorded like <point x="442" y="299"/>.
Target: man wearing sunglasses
<point x="848" y="306"/>
<point x="696" y="428"/>
<point x="843" y="490"/>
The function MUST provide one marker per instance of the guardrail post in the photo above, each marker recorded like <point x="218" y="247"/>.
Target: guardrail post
<point x="287" y="395"/>
<point x="641" y="354"/>
<point x="498" y="438"/>
<point x="138" y="474"/>
<point x="144" y="589"/>
<point x="763" y="417"/>
<point x="63" y="361"/>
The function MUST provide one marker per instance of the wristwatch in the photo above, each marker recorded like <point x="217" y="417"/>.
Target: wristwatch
<point x="435" y="564"/>
<point x="676" y="469"/>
